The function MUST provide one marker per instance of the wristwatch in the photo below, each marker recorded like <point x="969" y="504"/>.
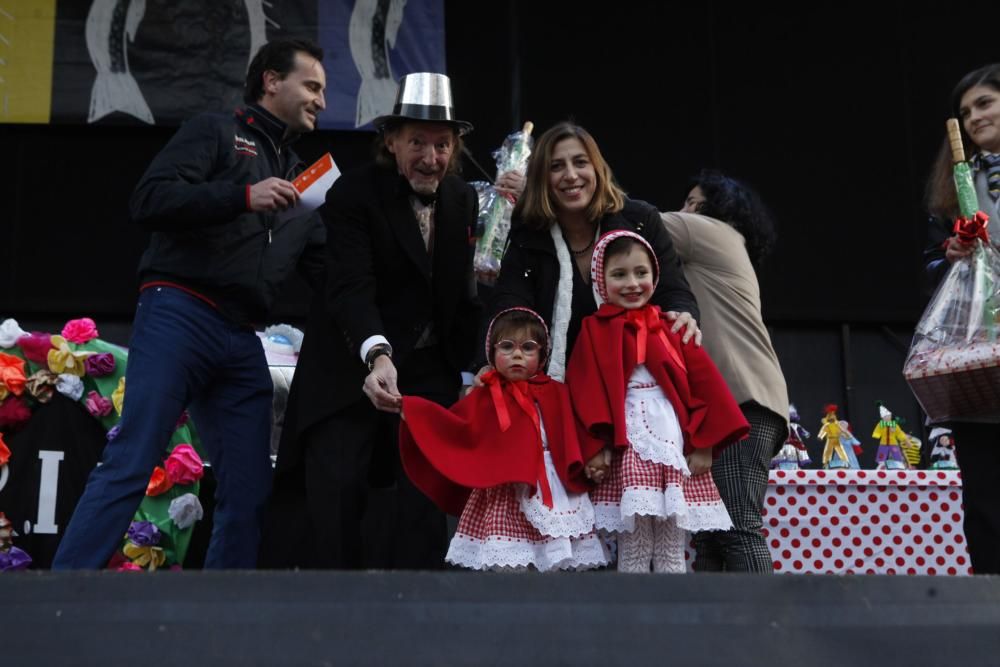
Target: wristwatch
<point x="375" y="353"/>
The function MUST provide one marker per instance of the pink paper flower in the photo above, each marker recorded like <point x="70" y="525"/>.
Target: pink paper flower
<point x="97" y="405"/>
<point x="184" y="466"/>
<point x="129" y="567"/>
<point x="80" y="331"/>
<point x="36" y="347"/>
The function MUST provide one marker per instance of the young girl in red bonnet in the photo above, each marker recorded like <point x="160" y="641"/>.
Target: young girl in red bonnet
<point x="659" y="405"/>
<point x="508" y="459"/>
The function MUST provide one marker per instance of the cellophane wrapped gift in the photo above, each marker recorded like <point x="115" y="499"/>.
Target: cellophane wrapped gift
<point x="495" y="208"/>
<point x="953" y="367"/>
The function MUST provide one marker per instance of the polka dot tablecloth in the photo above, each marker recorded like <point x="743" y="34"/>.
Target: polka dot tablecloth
<point x="866" y="522"/>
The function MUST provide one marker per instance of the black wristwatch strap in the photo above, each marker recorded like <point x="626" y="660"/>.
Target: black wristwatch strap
<point x="377" y="352"/>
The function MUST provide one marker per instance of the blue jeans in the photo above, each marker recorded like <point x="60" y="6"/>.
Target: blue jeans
<point x="183" y="353"/>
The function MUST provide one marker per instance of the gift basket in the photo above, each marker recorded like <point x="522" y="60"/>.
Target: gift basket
<point x="495" y="207"/>
<point x="953" y="366"/>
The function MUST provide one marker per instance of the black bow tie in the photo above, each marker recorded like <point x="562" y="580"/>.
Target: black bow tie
<point x="425" y="198"/>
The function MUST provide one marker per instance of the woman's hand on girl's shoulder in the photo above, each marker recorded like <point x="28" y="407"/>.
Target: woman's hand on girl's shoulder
<point x="687" y="322"/>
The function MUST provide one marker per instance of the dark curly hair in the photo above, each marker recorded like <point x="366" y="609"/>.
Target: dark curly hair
<point x="737" y="204"/>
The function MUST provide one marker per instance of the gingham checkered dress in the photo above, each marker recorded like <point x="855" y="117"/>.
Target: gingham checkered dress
<point x="651" y="476"/>
<point x="508" y="527"/>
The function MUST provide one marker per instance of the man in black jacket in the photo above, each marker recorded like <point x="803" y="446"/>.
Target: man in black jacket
<point x="218" y="254"/>
<point x="399" y="316"/>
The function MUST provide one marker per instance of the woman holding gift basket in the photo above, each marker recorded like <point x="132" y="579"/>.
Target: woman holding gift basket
<point x="975" y="101"/>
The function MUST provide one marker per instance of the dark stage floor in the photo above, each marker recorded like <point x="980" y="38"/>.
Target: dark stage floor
<point x="448" y="618"/>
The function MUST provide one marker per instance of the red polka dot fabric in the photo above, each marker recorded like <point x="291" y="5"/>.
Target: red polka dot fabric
<point x="865" y="522"/>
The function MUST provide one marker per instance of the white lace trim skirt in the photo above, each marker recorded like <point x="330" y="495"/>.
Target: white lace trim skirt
<point x="509" y="527"/>
<point x="651" y="476"/>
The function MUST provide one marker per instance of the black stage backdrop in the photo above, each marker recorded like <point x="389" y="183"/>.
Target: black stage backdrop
<point x="833" y="111"/>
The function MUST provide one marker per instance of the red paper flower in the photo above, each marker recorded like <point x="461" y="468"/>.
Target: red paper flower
<point x="158" y="483"/>
<point x="12" y="373"/>
<point x="36" y="347"/>
<point x="4" y="452"/>
<point x="14" y="412"/>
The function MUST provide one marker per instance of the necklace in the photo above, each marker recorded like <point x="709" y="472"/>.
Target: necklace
<point x="577" y="253"/>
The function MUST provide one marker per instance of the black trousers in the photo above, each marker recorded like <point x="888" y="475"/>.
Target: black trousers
<point x="977" y="447"/>
<point x="741" y="473"/>
<point x="351" y="504"/>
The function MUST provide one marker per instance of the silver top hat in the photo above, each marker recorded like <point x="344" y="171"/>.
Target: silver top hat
<point x="424" y="96"/>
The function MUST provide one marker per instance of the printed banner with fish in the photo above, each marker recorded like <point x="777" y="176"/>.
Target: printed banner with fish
<point x="162" y="61"/>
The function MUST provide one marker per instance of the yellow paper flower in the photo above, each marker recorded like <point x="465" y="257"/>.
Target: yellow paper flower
<point x="118" y="396"/>
<point x="149" y="557"/>
<point x="64" y="360"/>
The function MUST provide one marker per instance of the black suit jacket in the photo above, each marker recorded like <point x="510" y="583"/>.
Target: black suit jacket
<point x="381" y="280"/>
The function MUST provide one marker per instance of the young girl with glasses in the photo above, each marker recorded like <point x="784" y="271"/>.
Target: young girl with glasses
<point x="507" y="458"/>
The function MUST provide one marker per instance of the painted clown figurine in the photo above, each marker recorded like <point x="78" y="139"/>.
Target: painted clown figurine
<point x="891" y="438"/>
<point x="943" y="449"/>
<point x="832" y="433"/>
<point x="793" y="453"/>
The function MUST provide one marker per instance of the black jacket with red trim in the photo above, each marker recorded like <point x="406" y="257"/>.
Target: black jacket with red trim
<point x="194" y="199"/>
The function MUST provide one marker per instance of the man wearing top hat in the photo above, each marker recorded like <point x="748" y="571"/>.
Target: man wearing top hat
<point x="399" y="316"/>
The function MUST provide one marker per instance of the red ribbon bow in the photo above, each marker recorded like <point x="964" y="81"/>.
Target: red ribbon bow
<point x="646" y="320"/>
<point x="519" y="392"/>
<point x="970" y="230"/>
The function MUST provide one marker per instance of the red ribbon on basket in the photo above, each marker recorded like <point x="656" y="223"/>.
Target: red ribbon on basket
<point x="969" y="230"/>
<point x="519" y="391"/>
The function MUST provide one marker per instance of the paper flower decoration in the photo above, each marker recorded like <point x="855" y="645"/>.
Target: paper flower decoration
<point x="10" y="331"/>
<point x="14" y="412"/>
<point x="147" y="557"/>
<point x="70" y="386"/>
<point x="14" y="559"/>
<point x="42" y="384"/>
<point x="62" y="359"/>
<point x="4" y="452"/>
<point x="97" y="405"/>
<point x="158" y="483"/>
<point x="185" y="510"/>
<point x="12" y="373"/>
<point x="129" y="567"/>
<point x="184" y="466"/>
<point x="35" y="347"/>
<point x="143" y="533"/>
<point x="99" y="365"/>
<point x="118" y="395"/>
<point x="80" y="331"/>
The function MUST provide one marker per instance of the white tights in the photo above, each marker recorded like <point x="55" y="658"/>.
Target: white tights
<point x="656" y="542"/>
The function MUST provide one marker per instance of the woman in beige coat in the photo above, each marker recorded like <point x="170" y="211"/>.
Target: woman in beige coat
<point x="721" y="234"/>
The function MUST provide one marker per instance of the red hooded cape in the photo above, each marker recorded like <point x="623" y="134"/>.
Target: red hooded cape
<point x="447" y="453"/>
<point x="604" y="356"/>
